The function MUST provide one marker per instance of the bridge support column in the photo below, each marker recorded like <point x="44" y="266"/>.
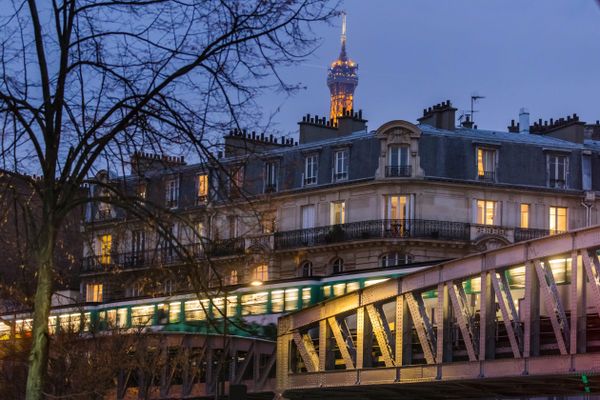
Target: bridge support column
<point x="578" y="304"/>
<point x="444" y="325"/>
<point x="531" y="312"/>
<point x="487" y="323"/>
<point x="403" y="332"/>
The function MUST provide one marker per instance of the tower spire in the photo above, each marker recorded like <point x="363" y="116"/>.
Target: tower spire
<point x="343" y="56"/>
<point x="342" y="80"/>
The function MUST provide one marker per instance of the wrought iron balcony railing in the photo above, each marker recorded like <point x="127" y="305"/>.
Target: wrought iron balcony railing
<point x="395" y="171"/>
<point x="487" y="176"/>
<point x="377" y="229"/>
<point x="558" y="183"/>
<point x="167" y="255"/>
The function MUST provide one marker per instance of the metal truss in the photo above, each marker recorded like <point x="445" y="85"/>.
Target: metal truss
<point x="522" y="317"/>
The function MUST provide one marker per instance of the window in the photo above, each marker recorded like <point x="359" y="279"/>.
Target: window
<point x="558" y="220"/>
<point x="142" y="315"/>
<point x="308" y="216"/>
<point x="306" y="296"/>
<point x="394" y="259"/>
<point x="93" y="293"/>
<point x="524" y="223"/>
<point x="138" y="246"/>
<point x="397" y="212"/>
<point x="277" y="302"/>
<point x="291" y="299"/>
<point x="233" y="277"/>
<point x="237" y="181"/>
<point x="195" y="310"/>
<point x="232" y="224"/>
<point x="270" y="177"/>
<point x="255" y="303"/>
<point x="488" y="212"/>
<point x="172" y="193"/>
<point x="267" y="222"/>
<point x="230" y="311"/>
<point x="337" y="266"/>
<point x="202" y="189"/>
<point x="260" y="273"/>
<point x="306" y="269"/>
<point x="340" y="167"/>
<point x="398" y="162"/>
<point x="105" y="249"/>
<point x="311" y="165"/>
<point x="486" y="164"/>
<point x="174" y="312"/>
<point x="338" y="212"/>
<point x="557" y="171"/>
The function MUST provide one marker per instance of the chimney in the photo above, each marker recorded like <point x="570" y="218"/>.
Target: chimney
<point x="440" y="116"/>
<point x="524" y="121"/>
<point x="467" y="123"/>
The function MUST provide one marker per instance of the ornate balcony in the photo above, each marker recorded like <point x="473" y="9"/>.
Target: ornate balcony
<point x="488" y="176"/>
<point x="398" y="171"/>
<point x="164" y="255"/>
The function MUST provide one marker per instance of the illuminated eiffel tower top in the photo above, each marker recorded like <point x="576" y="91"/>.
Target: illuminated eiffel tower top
<point x="342" y="79"/>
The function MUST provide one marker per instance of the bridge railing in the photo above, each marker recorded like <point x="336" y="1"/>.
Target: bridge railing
<point x="475" y="317"/>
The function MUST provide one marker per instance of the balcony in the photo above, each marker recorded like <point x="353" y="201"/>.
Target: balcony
<point x="488" y="176"/>
<point x="377" y="229"/>
<point x="522" y="234"/>
<point x="270" y="188"/>
<point x="164" y="256"/>
<point x="398" y="171"/>
<point x="558" y="183"/>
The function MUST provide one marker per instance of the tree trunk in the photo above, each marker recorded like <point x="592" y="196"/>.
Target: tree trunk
<point x="38" y="356"/>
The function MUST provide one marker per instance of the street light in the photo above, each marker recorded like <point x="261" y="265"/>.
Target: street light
<point x="256" y="283"/>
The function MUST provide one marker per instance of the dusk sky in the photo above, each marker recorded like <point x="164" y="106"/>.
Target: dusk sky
<point x="540" y="54"/>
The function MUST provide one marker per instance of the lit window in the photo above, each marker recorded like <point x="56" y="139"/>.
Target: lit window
<point x="142" y="315"/>
<point x="270" y="177"/>
<point x="306" y="297"/>
<point x="231" y="307"/>
<point x="326" y="292"/>
<point x="93" y="293"/>
<point x="172" y="193"/>
<point x="195" y="310"/>
<point x="277" y="302"/>
<point x="337" y="266"/>
<point x="557" y="171"/>
<point x="202" y="184"/>
<point x="398" y="162"/>
<point x="162" y="314"/>
<point x="233" y="277"/>
<point x="558" y="219"/>
<point x="291" y="299"/>
<point x="486" y="164"/>
<point x="232" y="223"/>
<point x="306" y="269"/>
<point x="174" y="312"/>
<point x="487" y="212"/>
<point x="141" y="190"/>
<point x="524" y="216"/>
<point x="352" y="286"/>
<point x="51" y="326"/>
<point x="267" y="221"/>
<point x="338" y="212"/>
<point x="339" y="289"/>
<point x="340" y="170"/>
<point x="122" y="317"/>
<point x="255" y="303"/>
<point x="260" y="273"/>
<point x="310" y="169"/>
<point x="105" y="249"/>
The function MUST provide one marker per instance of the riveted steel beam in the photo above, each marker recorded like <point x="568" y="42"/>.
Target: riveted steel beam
<point x="507" y="309"/>
<point x="307" y="351"/>
<point x="422" y="326"/>
<point x="554" y="307"/>
<point x="592" y="270"/>
<point x="341" y="342"/>
<point x="464" y="317"/>
<point x="382" y="334"/>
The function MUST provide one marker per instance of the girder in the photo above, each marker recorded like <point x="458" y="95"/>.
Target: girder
<point x="513" y="314"/>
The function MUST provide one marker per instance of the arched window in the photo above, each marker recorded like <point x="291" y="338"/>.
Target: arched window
<point x="394" y="259"/>
<point x="306" y="269"/>
<point x="337" y="266"/>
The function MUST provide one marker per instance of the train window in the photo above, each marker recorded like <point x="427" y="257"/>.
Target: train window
<point x="352" y="286"/>
<point x="196" y="310"/>
<point x="87" y="322"/>
<point x="254" y="303"/>
<point x="5" y="328"/>
<point x="306" y="296"/>
<point x="162" y="313"/>
<point x="326" y="291"/>
<point x="111" y="318"/>
<point x="142" y="315"/>
<point x="121" y="317"/>
<point x="231" y="306"/>
<point x="291" y="299"/>
<point x="339" y="289"/>
<point x="174" y="312"/>
<point x="51" y="325"/>
<point x="277" y="301"/>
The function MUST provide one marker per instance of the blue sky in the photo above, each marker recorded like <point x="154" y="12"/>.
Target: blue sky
<point x="540" y="54"/>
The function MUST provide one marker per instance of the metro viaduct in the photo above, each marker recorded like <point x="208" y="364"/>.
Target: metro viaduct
<point x="517" y="321"/>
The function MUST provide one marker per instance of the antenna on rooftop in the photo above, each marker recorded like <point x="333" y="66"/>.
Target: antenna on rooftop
<point x="474" y="98"/>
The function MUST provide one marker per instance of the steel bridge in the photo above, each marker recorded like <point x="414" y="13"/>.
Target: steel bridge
<point x="522" y="320"/>
<point x="195" y="366"/>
